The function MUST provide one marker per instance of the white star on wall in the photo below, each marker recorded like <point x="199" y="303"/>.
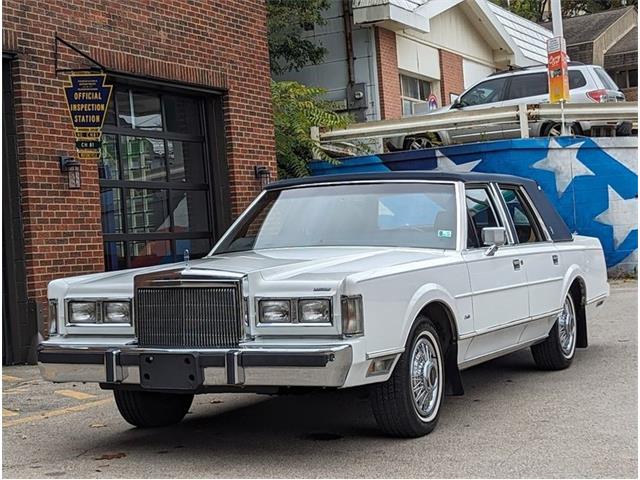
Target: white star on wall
<point x="564" y="163"/>
<point x="445" y="164"/>
<point x="622" y="215"/>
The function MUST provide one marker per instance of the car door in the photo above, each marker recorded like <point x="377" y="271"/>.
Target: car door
<point x="499" y="287"/>
<point x="527" y="88"/>
<point x="538" y="256"/>
<point x="487" y="94"/>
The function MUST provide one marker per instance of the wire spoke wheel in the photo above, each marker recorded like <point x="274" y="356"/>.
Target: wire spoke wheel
<point x="567" y="328"/>
<point x="426" y="377"/>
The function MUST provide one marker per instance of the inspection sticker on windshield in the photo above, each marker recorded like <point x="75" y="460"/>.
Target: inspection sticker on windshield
<point x="444" y="233"/>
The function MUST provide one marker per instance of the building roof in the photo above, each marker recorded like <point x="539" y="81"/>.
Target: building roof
<point x="628" y="43"/>
<point x="525" y="39"/>
<point x="587" y="28"/>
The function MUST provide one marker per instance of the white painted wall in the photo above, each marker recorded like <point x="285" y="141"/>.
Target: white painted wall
<point x="474" y="72"/>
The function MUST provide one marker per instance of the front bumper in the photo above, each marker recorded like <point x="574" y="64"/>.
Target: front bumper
<point x="181" y="369"/>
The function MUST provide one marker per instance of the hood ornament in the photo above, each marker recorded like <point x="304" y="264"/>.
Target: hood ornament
<point x="186" y="259"/>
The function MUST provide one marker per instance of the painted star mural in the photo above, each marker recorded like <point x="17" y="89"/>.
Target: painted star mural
<point x="621" y="214"/>
<point x="564" y="164"/>
<point x="445" y="164"/>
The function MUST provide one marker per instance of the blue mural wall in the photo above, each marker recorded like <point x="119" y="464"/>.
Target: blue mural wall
<point x="593" y="182"/>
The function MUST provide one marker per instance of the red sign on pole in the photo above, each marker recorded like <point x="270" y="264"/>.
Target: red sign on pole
<point x="558" y="69"/>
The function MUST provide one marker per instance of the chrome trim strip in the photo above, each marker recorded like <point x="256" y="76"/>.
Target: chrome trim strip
<point x="603" y="296"/>
<point x="384" y="353"/>
<point x="513" y="323"/>
<point x="498" y="353"/>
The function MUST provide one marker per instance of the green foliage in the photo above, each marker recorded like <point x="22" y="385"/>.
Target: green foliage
<point x="297" y="108"/>
<point x="286" y="21"/>
<point x="537" y="10"/>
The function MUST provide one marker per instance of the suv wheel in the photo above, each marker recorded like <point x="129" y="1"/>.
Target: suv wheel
<point x="554" y="129"/>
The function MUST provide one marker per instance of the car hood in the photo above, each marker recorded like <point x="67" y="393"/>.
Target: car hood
<point x="283" y="264"/>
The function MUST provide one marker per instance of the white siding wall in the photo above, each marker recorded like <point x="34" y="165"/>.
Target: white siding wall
<point x="417" y="58"/>
<point x="474" y="72"/>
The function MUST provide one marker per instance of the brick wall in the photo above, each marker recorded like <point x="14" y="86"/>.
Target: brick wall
<point x="451" y="75"/>
<point x="211" y="43"/>
<point x="388" y="76"/>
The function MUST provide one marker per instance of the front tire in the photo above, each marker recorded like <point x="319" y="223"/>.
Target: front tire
<point x="152" y="409"/>
<point x="408" y="404"/>
<point x="558" y="350"/>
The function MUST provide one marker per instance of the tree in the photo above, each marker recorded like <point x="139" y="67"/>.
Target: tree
<point x="286" y="22"/>
<point x="537" y="10"/>
<point x="297" y="108"/>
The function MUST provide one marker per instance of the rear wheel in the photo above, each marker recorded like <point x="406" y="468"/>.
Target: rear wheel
<point x="554" y="129"/>
<point x="152" y="409"/>
<point x="408" y="404"/>
<point x="558" y="350"/>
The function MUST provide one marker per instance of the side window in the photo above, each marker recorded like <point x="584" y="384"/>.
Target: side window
<point x="528" y="85"/>
<point x="576" y="79"/>
<point x="481" y="213"/>
<point x="486" y="92"/>
<point x="526" y="225"/>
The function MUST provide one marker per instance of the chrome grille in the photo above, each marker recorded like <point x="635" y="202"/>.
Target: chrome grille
<point x="199" y="317"/>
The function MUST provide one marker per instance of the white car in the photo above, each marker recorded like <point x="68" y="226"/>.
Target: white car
<point x="394" y="280"/>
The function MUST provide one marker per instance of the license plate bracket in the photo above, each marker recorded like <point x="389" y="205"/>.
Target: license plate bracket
<point x="170" y="371"/>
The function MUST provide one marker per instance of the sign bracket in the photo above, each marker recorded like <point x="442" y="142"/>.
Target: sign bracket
<point x="97" y="65"/>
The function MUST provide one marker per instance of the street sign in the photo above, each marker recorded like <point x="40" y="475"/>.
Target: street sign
<point x="558" y="70"/>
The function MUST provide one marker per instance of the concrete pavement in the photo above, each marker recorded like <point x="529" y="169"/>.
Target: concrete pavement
<point x="513" y="421"/>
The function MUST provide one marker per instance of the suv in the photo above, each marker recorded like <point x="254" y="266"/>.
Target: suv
<point x="587" y="83"/>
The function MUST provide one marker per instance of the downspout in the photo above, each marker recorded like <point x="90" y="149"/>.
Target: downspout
<point x="347" y="17"/>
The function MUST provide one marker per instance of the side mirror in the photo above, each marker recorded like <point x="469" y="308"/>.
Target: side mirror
<point x="493" y="237"/>
<point x="456" y="105"/>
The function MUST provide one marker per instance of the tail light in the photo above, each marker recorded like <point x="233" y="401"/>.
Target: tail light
<point x="598" y="96"/>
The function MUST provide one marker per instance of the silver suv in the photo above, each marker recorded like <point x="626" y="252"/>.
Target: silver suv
<point x="587" y="83"/>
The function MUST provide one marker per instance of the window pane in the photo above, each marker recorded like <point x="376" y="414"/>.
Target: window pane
<point x="109" y="169"/>
<point x="528" y="85"/>
<point x="182" y="114"/>
<point x="146" y="112"/>
<point x="410" y="87"/>
<point x="190" y="211"/>
<point x="185" y="162"/>
<point x="151" y="252"/>
<point x="198" y="248"/>
<point x="576" y="79"/>
<point x="124" y="109"/>
<point x="522" y="219"/>
<point x="143" y="159"/>
<point x="111" y="201"/>
<point x="486" y="92"/>
<point x="147" y="211"/>
<point x="406" y="108"/>
<point x="110" y="118"/>
<point x="114" y="256"/>
<point x="481" y="214"/>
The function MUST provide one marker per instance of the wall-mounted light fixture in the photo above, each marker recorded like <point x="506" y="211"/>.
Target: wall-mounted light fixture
<point x="71" y="167"/>
<point x="263" y="174"/>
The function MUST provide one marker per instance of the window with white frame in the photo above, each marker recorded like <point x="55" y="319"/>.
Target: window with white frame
<point x="415" y="95"/>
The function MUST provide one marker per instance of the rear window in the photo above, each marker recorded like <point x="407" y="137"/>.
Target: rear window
<point x="606" y="79"/>
<point x="576" y="79"/>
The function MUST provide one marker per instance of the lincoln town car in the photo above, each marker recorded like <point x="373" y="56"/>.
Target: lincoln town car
<point x="394" y="282"/>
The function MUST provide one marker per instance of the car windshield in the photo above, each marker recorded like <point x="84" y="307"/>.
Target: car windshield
<point x="419" y="215"/>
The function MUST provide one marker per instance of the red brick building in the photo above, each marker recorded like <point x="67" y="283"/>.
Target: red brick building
<point x="189" y="120"/>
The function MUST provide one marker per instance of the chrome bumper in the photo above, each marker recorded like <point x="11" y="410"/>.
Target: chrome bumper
<point x="244" y="366"/>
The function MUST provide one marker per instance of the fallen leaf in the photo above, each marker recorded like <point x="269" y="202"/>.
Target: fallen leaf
<point x="97" y="425"/>
<point x="111" y="456"/>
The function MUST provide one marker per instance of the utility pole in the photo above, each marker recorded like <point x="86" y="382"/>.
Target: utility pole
<point x="556" y="21"/>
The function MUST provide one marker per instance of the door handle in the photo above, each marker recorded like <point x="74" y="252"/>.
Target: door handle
<point x="517" y="263"/>
<point x="555" y="259"/>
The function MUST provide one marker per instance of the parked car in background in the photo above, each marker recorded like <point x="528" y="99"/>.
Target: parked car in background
<point x="587" y="83"/>
<point x="395" y="281"/>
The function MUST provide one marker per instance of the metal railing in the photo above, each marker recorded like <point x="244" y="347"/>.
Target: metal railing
<point x="602" y="113"/>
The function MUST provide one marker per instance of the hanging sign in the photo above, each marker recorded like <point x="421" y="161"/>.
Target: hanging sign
<point x="88" y="100"/>
<point x="558" y="70"/>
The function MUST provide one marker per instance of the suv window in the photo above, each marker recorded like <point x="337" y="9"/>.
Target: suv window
<point x="486" y="92"/>
<point x="528" y="85"/>
<point x="606" y="79"/>
<point x="527" y="228"/>
<point x="576" y="79"/>
<point x="481" y="213"/>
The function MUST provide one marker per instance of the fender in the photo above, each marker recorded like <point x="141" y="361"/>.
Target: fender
<point x="426" y="294"/>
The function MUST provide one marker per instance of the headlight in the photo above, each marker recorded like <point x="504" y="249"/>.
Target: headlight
<point x="53" y="317"/>
<point x="352" y="316"/>
<point x="275" y="311"/>
<point x="82" y="312"/>
<point x="116" y="312"/>
<point x="314" y="311"/>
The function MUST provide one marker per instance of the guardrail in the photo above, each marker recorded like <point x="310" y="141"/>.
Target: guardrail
<point x="602" y="113"/>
